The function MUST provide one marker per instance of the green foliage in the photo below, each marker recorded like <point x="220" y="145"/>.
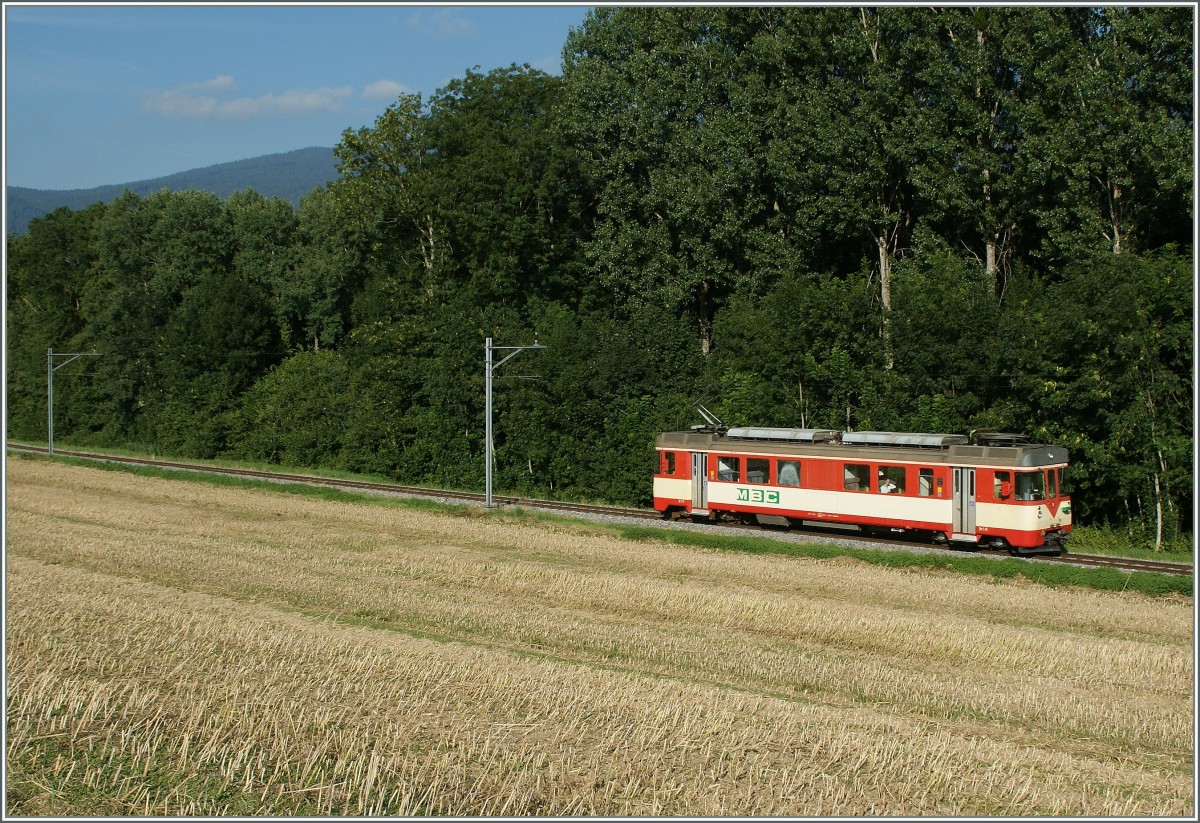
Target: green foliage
<point x="296" y="414"/>
<point x="48" y="272"/>
<point x="313" y="299"/>
<point x="1111" y="376"/>
<point x="806" y="354"/>
<point x="649" y="110"/>
<point x="586" y="429"/>
<point x="1131" y="540"/>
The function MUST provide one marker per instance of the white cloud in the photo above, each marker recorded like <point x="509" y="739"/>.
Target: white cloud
<point x="222" y="82"/>
<point x="189" y="101"/>
<point x="384" y="90"/>
<point x="446" y="24"/>
<point x="295" y="101"/>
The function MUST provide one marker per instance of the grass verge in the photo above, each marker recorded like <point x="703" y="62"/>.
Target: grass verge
<point x="1048" y="574"/>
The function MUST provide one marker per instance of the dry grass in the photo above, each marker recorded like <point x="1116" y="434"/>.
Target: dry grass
<point x="180" y="649"/>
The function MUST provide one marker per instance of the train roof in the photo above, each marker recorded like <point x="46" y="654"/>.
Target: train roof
<point x="988" y="448"/>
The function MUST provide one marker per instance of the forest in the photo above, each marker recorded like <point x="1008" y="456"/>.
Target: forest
<point x="895" y="218"/>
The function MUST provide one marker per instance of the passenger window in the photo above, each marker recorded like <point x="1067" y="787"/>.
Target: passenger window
<point x="758" y="469"/>
<point x="925" y="482"/>
<point x="789" y="473"/>
<point x="1002" y="486"/>
<point x="857" y="478"/>
<point x="1051" y="485"/>
<point x="891" y="480"/>
<point x="1031" y="486"/>
<point x="729" y="469"/>
<point x="668" y="462"/>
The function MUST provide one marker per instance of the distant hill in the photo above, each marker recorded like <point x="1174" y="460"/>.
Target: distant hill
<point x="288" y="176"/>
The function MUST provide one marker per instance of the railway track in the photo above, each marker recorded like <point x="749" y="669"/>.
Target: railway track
<point x="1120" y="563"/>
<point x="348" y="485"/>
<point x="1126" y="563"/>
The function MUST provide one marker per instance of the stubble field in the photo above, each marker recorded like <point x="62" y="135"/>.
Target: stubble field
<point x="175" y="648"/>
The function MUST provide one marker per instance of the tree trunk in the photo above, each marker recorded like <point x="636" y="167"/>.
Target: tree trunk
<point x="1158" y="515"/>
<point x="428" y="253"/>
<point x="1162" y="464"/>
<point x="1116" y="219"/>
<point x="885" y="296"/>
<point x="1115" y="207"/>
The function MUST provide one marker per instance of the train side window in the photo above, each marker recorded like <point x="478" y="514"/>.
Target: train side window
<point x="1031" y="486"/>
<point x="668" y="462"/>
<point x="857" y="478"/>
<point x="1051" y="485"/>
<point x="758" y="469"/>
<point x="1002" y="486"/>
<point x="729" y="469"/>
<point x="891" y="480"/>
<point x="789" y="473"/>
<point x="925" y="482"/>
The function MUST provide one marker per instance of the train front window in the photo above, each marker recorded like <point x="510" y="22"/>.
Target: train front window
<point x="1051" y="485"/>
<point x="1031" y="486"/>
<point x="729" y="469"/>
<point x="1064" y="486"/>
<point x="758" y="469"/>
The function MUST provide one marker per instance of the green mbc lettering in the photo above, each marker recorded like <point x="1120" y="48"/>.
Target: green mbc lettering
<point x="757" y="496"/>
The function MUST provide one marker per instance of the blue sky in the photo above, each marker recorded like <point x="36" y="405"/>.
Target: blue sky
<point x="102" y="94"/>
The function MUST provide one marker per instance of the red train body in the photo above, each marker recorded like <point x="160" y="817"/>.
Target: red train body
<point x="998" y="490"/>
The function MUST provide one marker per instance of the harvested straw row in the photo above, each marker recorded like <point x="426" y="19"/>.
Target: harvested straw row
<point x="174" y="703"/>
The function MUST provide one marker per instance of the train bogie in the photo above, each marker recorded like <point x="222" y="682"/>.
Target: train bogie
<point x="997" y="492"/>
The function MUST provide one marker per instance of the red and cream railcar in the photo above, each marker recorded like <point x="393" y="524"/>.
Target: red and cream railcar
<point x="998" y="490"/>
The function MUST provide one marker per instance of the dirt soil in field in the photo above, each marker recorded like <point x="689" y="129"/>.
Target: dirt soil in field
<point x="176" y="648"/>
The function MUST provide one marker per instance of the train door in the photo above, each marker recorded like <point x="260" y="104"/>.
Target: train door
<point x="699" y="483"/>
<point x="964" y="504"/>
